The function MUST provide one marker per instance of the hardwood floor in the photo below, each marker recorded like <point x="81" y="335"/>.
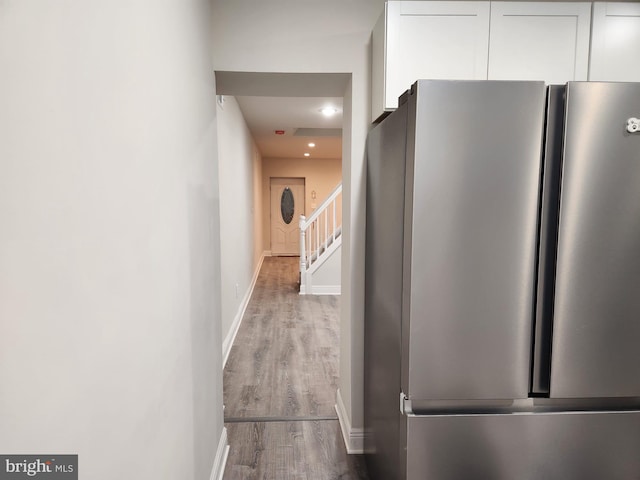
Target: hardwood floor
<point x="301" y="450"/>
<point x="280" y="384"/>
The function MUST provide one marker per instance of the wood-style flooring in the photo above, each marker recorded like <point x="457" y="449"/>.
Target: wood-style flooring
<point x="280" y="385"/>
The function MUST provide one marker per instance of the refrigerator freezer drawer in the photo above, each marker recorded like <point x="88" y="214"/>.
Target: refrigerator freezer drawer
<point x="557" y="446"/>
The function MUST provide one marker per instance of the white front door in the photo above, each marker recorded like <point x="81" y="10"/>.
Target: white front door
<point x="287" y="204"/>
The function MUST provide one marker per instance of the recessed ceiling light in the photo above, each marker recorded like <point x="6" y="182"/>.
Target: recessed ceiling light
<point x="329" y="111"/>
<point x="312" y="144"/>
<point x="307" y="154"/>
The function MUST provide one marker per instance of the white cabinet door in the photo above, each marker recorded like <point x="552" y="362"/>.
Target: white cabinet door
<point x="539" y="41"/>
<point x="615" y="42"/>
<point x="439" y="40"/>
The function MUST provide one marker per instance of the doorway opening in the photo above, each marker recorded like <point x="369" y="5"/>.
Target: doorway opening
<point x="283" y="353"/>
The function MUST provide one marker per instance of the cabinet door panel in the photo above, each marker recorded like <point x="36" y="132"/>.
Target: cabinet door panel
<point x="539" y="41"/>
<point x="434" y="40"/>
<point x="614" y="42"/>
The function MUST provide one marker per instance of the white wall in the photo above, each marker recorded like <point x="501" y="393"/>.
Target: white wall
<point x="326" y="279"/>
<point x="110" y="342"/>
<point x="317" y="36"/>
<point x="240" y="167"/>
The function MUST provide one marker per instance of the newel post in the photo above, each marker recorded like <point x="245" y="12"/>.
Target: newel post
<point x="303" y="255"/>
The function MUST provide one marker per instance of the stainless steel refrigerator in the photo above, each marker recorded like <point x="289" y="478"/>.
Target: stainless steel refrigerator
<point x="502" y="296"/>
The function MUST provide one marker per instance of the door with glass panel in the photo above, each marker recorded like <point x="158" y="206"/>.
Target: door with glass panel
<point x="287" y="204"/>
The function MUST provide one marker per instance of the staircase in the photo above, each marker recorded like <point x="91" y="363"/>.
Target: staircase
<point x="320" y="238"/>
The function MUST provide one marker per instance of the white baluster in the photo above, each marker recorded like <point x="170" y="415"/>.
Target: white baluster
<point x="326" y="227"/>
<point x="309" y="249"/>
<point x="334" y="219"/>
<point x="317" y="238"/>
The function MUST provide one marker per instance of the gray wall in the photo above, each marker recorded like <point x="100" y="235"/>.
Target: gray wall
<point x="240" y="171"/>
<point x="110" y="343"/>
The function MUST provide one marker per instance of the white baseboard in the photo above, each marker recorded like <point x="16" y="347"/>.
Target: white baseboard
<point x="353" y="437"/>
<point x="235" y="325"/>
<point x="222" y="453"/>
<point x="321" y="290"/>
<point x="325" y="290"/>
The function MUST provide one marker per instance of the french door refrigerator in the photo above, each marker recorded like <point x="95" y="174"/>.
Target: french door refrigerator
<point x="502" y="293"/>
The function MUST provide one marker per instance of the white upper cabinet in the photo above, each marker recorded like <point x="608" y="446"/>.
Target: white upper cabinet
<point x="615" y="42"/>
<point x="414" y="40"/>
<point x="555" y="42"/>
<point x="539" y="41"/>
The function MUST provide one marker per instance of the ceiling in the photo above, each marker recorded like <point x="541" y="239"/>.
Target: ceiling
<point x="289" y="102"/>
<point x="302" y="122"/>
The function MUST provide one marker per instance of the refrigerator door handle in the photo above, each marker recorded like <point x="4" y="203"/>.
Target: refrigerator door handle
<point x="405" y="405"/>
<point x="547" y="248"/>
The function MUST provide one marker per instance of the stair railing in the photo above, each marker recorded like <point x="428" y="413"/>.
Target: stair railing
<point x="319" y="232"/>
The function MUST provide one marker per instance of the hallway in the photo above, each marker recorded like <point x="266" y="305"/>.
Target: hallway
<point x="280" y="384"/>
